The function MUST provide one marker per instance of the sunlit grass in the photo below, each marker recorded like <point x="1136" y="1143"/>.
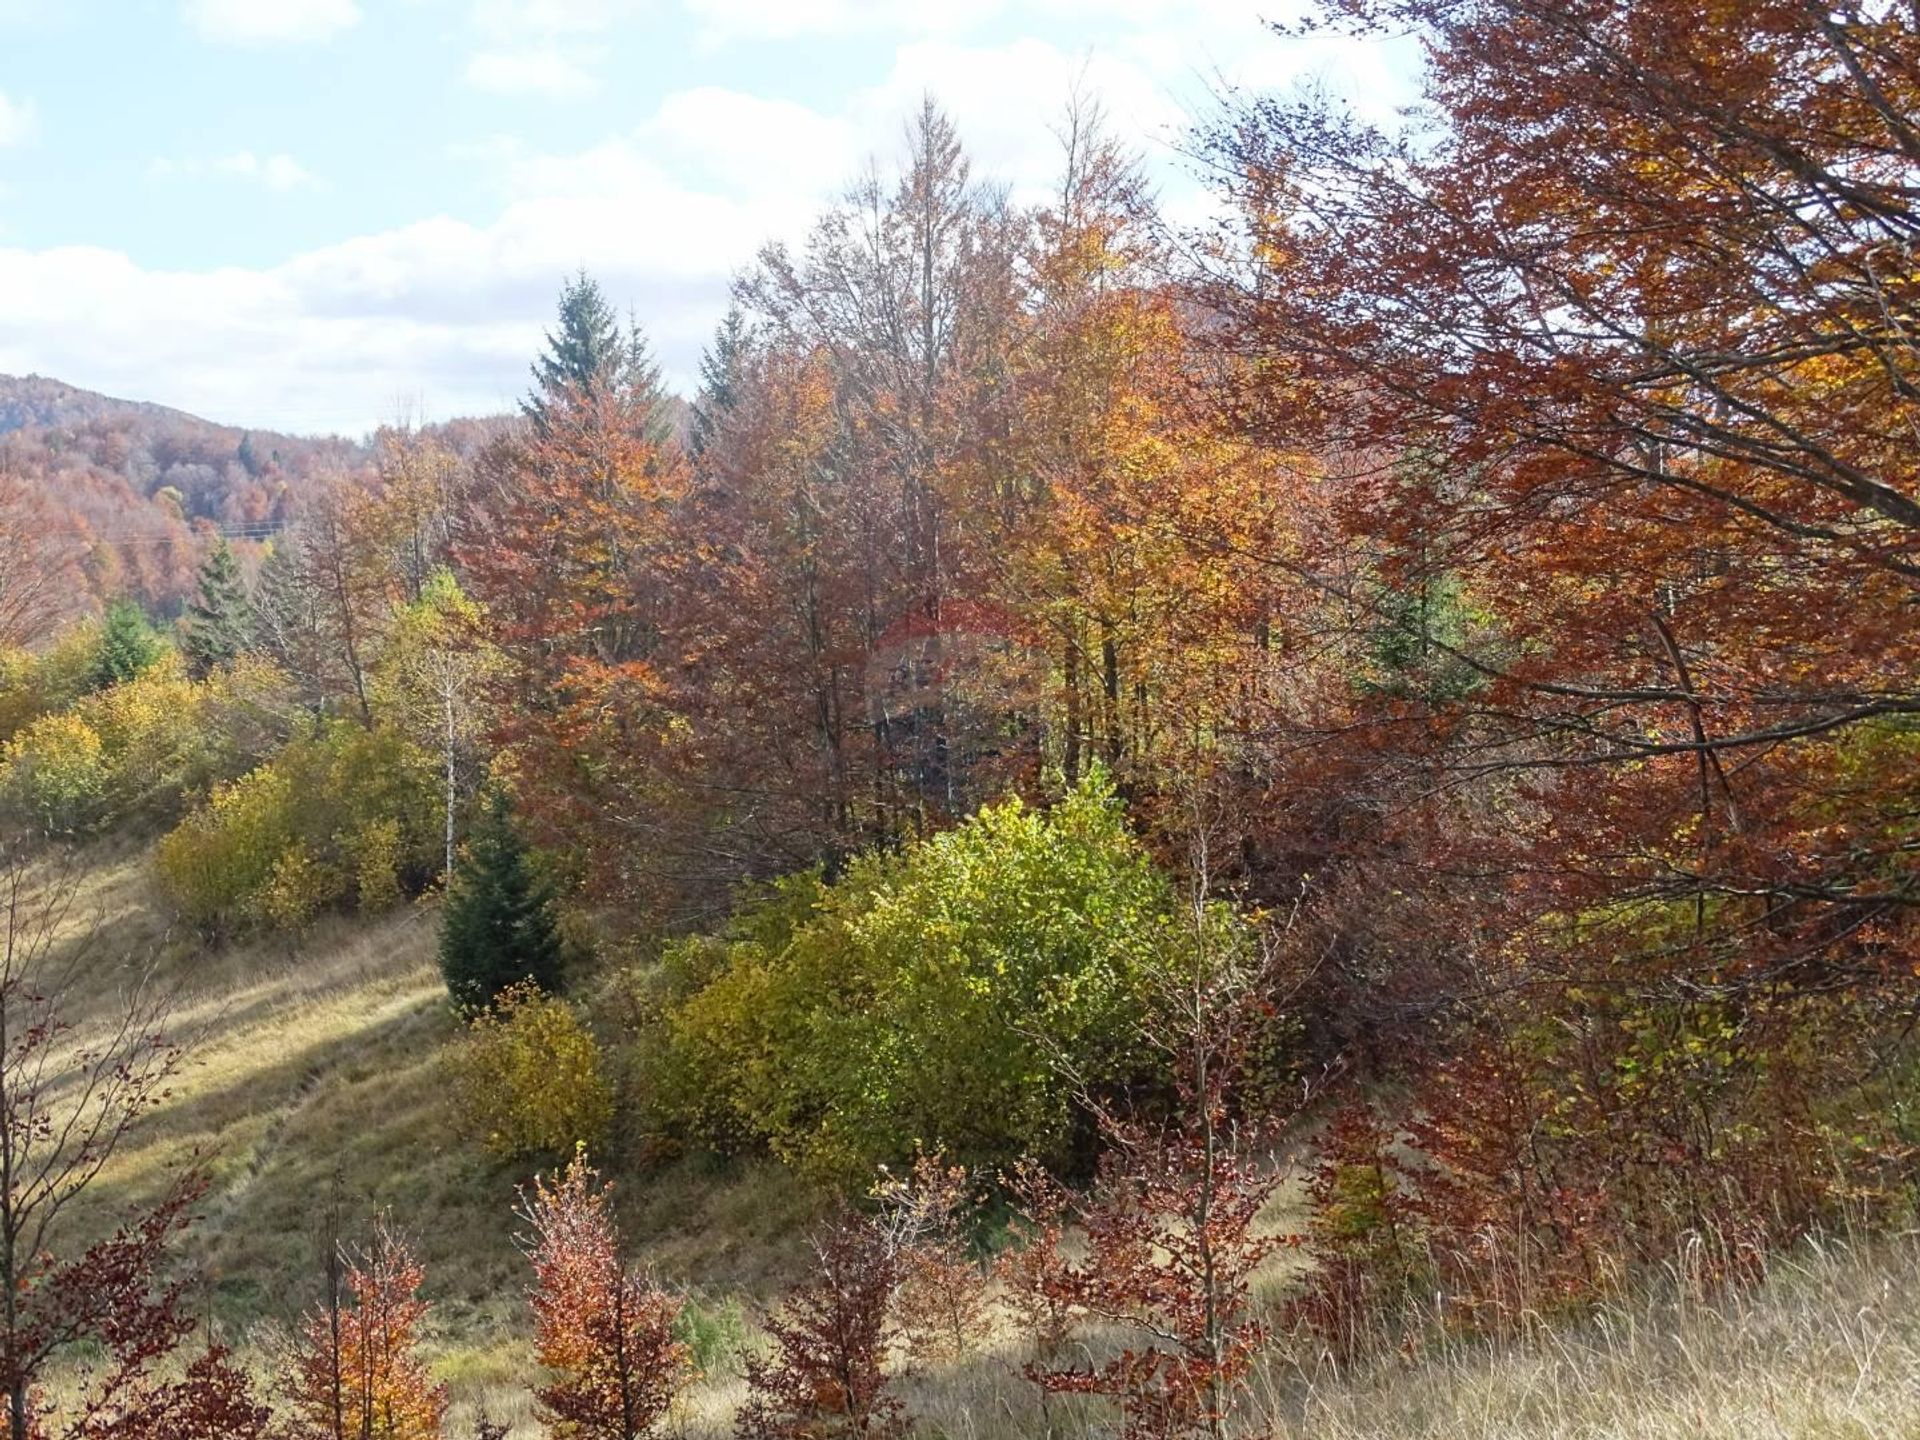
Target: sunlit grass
<point x="317" y="1088"/>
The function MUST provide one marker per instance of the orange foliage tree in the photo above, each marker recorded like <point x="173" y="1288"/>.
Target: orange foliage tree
<point x="604" y="1333"/>
<point x="1609" y="358"/>
<point x="565" y="539"/>
<point x="355" y="1371"/>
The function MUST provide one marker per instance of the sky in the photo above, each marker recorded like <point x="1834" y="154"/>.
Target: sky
<point x="321" y="216"/>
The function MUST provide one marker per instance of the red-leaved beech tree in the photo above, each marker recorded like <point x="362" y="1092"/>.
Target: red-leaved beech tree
<point x="1617" y="384"/>
<point x="69" y="1099"/>
<point x="827" y="1375"/>
<point x="604" y="1333"/>
<point x="356" y="1372"/>
<point x="1173" y="1239"/>
<point x="941" y="1306"/>
<point x="1174" y="1226"/>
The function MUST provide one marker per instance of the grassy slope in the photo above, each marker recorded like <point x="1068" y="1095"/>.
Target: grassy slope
<point x="318" y="1084"/>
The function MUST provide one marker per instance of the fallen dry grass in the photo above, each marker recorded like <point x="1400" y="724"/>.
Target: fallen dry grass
<point x="1827" y="1347"/>
<point x="317" y="1086"/>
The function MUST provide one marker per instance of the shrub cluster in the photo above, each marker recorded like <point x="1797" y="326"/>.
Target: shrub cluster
<point x="138" y="751"/>
<point x="529" y="1079"/>
<point x="341" y="816"/>
<point x="938" y="996"/>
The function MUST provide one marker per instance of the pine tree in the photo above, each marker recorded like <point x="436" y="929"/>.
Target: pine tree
<point x="129" y="646"/>
<point x="720" y="380"/>
<point x="220" y="622"/>
<point x="288" y="619"/>
<point x="589" y="357"/>
<point x="498" y="927"/>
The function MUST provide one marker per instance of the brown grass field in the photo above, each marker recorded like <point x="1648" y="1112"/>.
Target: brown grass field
<point x="316" y="1086"/>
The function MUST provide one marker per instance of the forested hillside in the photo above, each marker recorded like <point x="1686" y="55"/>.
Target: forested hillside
<point x="1113" y="830"/>
<point x="121" y="496"/>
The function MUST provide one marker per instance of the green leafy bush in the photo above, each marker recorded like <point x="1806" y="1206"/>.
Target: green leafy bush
<point x="56" y="774"/>
<point x="342" y="815"/>
<point x="934" y="997"/>
<point x="529" y="1080"/>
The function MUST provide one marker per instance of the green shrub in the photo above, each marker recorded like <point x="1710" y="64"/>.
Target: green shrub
<point x="935" y="997"/>
<point x="716" y="1335"/>
<point x="529" y="1079"/>
<point x="56" y="774"/>
<point x="342" y="815"/>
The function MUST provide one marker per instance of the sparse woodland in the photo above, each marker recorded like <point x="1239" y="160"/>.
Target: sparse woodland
<point x="1216" y="813"/>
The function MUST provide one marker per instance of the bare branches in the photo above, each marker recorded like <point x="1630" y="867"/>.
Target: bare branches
<point x="69" y="1101"/>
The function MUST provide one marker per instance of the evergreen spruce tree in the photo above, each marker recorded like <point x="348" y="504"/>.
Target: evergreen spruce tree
<point x="498" y="928"/>
<point x="721" y="374"/>
<point x="220" y="622"/>
<point x="640" y="381"/>
<point x="589" y="354"/>
<point x="288" y="621"/>
<point x="129" y="645"/>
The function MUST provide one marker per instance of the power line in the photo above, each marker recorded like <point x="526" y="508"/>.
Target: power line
<point x="249" y="530"/>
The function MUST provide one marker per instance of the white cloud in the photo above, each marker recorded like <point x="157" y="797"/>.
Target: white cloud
<point x="546" y="70"/>
<point x="450" y="310"/>
<point x="1007" y="101"/>
<point x="509" y="19"/>
<point x="725" y="21"/>
<point x="748" y="143"/>
<point x="19" y="122"/>
<point x="277" y="172"/>
<point x="443" y="310"/>
<point x="732" y="20"/>
<point x="270" y="22"/>
<point x="543" y="47"/>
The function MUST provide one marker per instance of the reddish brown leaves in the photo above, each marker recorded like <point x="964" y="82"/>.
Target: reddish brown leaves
<point x="604" y="1333"/>
<point x="827" y="1375"/>
<point x="355" y="1373"/>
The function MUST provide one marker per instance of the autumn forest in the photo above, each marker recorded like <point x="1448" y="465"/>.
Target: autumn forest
<point x="1120" y="827"/>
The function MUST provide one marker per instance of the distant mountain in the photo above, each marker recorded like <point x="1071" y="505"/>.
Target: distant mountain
<point x="141" y="489"/>
<point x="36" y="400"/>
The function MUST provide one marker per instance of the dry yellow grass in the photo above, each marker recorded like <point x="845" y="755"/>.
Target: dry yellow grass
<point x="317" y="1084"/>
<point x="1827" y="1348"/>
